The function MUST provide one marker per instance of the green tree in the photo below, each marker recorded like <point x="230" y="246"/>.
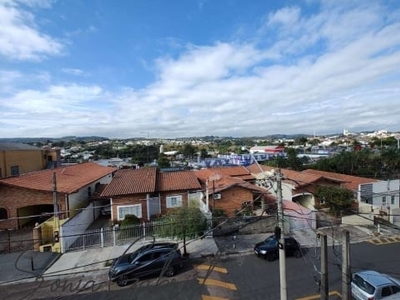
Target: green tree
<point x="182" y="223"/>
<point x="189" y="150"/>
<point x="203" y="153"/>
<point x="294" y="161"/>
<point x="336" y="198"/>
<point x="390" y="158"/>
<point x="163" y="161"/>
<point x="278" y="162"/>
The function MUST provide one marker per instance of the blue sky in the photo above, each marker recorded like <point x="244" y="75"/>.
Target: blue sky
<point x="180" y="68"/>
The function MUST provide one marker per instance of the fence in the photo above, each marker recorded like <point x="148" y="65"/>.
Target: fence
<point x="16" y="240"/>
<point x="112" y="236"/>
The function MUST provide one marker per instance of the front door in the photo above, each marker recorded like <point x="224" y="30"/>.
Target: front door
<point x="153" y="207"/>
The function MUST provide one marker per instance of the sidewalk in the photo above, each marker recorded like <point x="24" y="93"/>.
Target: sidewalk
<point x="99" y="259"/>
<point x="29" y="265"/>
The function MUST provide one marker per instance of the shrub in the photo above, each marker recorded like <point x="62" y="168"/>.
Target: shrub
<point x="130" y="220"/>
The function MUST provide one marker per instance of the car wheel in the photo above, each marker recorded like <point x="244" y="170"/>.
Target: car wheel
<point x="270" y="257"/>
<point x="122" y="280"/>
<point x="170" y="271"/>
<point x="297" y="254"/>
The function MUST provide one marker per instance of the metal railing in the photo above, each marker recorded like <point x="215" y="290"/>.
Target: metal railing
<point x="116" y="235"/>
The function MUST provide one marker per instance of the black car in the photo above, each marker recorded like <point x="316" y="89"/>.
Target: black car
<point x="154" y="258"/>
<point x="269" y="248"/>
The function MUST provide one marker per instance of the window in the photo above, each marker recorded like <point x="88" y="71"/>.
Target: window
<point x="384" y="200"/>
<point x="146" y="258"/>
<point x="3" y="214"/>
<point x="364" y="285"/>
<point x="174" y="201"/>
<point x="14" y="170"/>
<point x="124" y="210"/>
<point x="386" y="291"/>
<point x="392" y="199"/>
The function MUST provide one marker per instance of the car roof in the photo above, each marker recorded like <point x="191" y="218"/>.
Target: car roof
<point x="375" y="278"/>
<point x="287" y="237"/>
<point x="163" y="245"/>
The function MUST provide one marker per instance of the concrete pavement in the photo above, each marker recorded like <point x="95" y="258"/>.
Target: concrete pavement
<point x="98" y="259"/>
<point x="25" y="265"/>
<point x="29" y="265"/>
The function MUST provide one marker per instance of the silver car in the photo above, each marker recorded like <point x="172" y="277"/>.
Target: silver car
<point x="367" y="285"/>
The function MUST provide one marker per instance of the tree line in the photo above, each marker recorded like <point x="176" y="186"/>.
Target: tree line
<point x="381" y="164"/>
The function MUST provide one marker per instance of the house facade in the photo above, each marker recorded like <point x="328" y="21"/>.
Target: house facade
<point x="383" y="195"/>
<point x="148" y="193"/>
<point x="231" y="189"/>
<point x="301" y="187"/>
<point x="17" y="158"/>
<point x="272" y="150"/>
<point x="32" y="197"/>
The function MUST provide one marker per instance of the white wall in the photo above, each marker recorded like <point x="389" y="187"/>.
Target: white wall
<point x="80" y="198"/>
<point x="381" y="189"/>
<point x="357" y="220"/>
<point x="75" y="226"/>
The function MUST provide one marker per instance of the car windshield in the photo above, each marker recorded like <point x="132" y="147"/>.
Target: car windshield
<point x="130" y="257"/>
<point x="364" y="285"/>
<point x="271" y="240"/>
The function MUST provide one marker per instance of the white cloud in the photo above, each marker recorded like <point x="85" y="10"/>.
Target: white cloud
<point x="72" y="71"/>
<point x="20" y="38"/>
<point x="322" y="72"/>
<point x="286" y="16"/>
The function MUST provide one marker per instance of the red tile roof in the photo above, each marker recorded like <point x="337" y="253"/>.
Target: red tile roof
<point x="298" y="179"/>
<point x="311" y="176"/>
<point x="128" y="181"/>
<point x="219" y="181"/>
<point x="150" y="180"/>
<point x="175" y="181"/>
<point x="215" y="173"/>
<point x="69" y="179"/>
<point x="348" y="181"/>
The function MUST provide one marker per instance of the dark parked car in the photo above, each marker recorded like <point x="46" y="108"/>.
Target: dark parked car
<point x="269" y="248"/>
<point x="150" y="259"/>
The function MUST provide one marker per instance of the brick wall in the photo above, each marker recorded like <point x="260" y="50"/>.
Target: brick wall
<point x="232" y="199"/>
<point x="141" y="199"/>
<point x="128" y="200"/>
<point x="14" y="198"/>
<point x="164" y="196"/>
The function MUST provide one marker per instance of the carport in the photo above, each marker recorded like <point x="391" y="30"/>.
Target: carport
<point x="28" y="216"/>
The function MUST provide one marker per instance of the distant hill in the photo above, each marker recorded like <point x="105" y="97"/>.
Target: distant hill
<point x="47" y="139"/>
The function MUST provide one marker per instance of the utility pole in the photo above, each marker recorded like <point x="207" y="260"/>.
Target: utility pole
<point x="346" y="273"/>
<point x="213" y="196"/>
<point x="55" y="208"/>
<point x="281" y="242"/>
<point x="324" y="289"/>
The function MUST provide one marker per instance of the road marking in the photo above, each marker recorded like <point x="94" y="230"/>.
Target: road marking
<point x="219" y="283"/>
<point x="384" y="240"/>
<point x="333" y="293"/>
<point x="205" y="297"/>
<point x="213" y="268"/>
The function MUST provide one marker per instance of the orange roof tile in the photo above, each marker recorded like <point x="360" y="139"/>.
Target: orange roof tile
<point x="175" y="181"/>
<point x="69" y="179"/>
<point x="299" y="179"/>
<point x="218" y="172"/>
<point x="220" y="181"/>
<point x="350" y="182"/>
<point x="132" y="181"/>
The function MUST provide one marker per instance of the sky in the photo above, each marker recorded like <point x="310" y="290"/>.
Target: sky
<point x="183" y="68"/>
